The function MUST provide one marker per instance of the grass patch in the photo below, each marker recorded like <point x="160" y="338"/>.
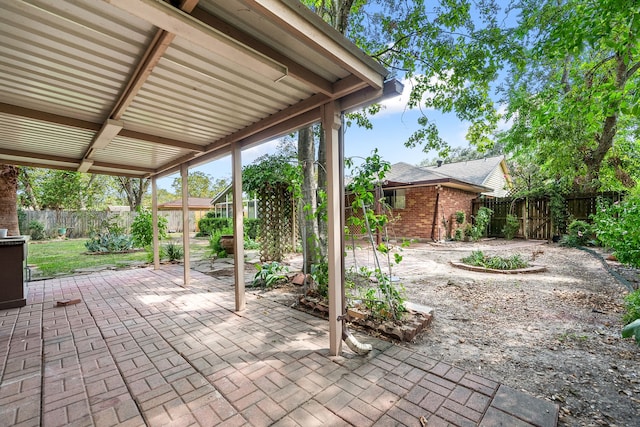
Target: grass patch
<point x="64" y="256"/>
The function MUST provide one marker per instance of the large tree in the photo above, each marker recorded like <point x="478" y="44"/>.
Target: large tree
<point x="573" y="95"/>
<point x="200" y="184"/>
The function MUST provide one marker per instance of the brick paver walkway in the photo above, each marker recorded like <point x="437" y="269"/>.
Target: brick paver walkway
<point x="142" y="350"/>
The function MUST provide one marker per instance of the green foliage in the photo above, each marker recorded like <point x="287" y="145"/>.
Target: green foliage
<point x="200" y="184"/>
<point x="632" y="306"/>
<point x="214" y="241"/>
<point x="617" y="226"/>
<point x="579" y="233"/>
<point x="60" y="190"/>
<point x="108" y="242"/>
<point x="320" y="276"/>
<point x="511" y="227"/>
<point x="270" y="274"/>
<point x="36" y="230"/>
<point x="481" y="222"/>
<point x="632" y="329"/>
<point x="479" y="259"/>
<point x="209" y="224"/>
<point x="268" y="171"/>
<point x="461" y="217"/>
<point x="251" y="228"/>
<point x="572" y="94"/>
<point x="374" y="291"/>
<point x="173" y="251"/>
<point x="458" y="234"/>
<point x="142" y="228"/>
<point x="249" y="243"/>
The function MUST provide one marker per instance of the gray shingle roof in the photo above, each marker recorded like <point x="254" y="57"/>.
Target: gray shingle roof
<point x="473" y="171"/>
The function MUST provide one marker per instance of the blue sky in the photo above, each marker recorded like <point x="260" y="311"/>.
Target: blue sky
<point x="391" y="128"/>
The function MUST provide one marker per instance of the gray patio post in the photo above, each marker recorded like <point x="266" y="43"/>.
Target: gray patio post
<point x="238" y="225"/>
<point x="154" y="220"/>
<point x="331" y="125"/>
<point x="184" y="175"/>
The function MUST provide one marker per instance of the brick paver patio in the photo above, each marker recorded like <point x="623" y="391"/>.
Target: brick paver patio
<point x="139" y="349"/>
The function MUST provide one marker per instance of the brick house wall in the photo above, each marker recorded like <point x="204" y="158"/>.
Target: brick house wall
<point x="415" y="221"/>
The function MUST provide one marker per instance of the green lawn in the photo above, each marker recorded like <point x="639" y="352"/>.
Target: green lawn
<point x="64" y="256"/>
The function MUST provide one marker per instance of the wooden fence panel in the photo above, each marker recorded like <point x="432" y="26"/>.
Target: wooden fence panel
<point x="536" y="212"/>
<point x="82" y="223"/>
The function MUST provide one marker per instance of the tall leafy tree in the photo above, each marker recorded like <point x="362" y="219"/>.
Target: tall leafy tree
<point x="573" y="96"/>
<point x="200" y="184"/>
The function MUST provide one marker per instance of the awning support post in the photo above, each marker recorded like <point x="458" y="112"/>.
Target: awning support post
<point x="238" y="226"/>
<point x="331" y="124"/>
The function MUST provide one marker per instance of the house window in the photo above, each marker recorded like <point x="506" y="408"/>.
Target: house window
<point x="395" y="198"/>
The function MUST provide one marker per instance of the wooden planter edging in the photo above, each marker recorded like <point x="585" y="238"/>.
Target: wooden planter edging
<point x="531" y="269"/>
<point x="405" y="331"/>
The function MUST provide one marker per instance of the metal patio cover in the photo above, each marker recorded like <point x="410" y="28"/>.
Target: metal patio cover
<point x="140" y="87"/>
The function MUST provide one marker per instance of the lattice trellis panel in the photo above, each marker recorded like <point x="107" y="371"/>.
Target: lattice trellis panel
<point x="277" y="215"/>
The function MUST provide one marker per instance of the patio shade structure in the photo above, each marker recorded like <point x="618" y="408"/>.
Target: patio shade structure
<point x="146" y="88"/>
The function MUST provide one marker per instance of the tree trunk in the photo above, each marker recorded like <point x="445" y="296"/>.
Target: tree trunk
<point x="134" y="189"/>
<point x="322" y="187"/>
<point x="25" y="178"/>
<point x="306" y="215"/>
<point x="9" y="199"/>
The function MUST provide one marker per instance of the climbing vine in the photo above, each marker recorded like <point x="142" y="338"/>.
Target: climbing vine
<point x="276" y="183"/>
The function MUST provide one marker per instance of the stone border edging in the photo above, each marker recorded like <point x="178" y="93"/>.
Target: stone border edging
<point x="531" y="269"/>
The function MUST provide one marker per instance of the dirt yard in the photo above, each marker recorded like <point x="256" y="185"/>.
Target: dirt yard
<point x="555" y="334"/>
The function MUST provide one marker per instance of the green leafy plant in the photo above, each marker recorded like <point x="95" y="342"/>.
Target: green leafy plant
<point x="110" y="239"/>
<point x="36" y="230"/>
<point x="511" y="227"/>
<point x="479" y="259"/>
<point x="173" y="251"/>
<point x="617" y="226"/>
<point x="461" y="217"/>
<point x="209" y="224"/>
<point x="214" y="242"/>
<point x="270" y="274"/>
<point x="481" y="222"/>
<point x="142" y="228"/>
<point x="579" y="233"/>
<point x="320" y="276"/>
<point x="458" y="234"/>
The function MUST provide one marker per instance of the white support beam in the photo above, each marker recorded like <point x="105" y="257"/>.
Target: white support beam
<point x="184" y="174"/>
<point x="331" y="126"/>
<point x="238" y="225"/>
<point x="154" y="220"/>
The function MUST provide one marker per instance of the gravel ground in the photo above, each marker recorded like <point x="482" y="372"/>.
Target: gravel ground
<point x="555" y="334"/>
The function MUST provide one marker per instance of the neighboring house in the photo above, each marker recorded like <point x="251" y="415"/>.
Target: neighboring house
<point x="198" y="207"/>
<point x="223" y="204"/>
<point x="490" y="172"/>
<point x="424" y="201"/>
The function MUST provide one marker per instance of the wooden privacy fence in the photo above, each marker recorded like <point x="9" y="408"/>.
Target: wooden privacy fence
<point x="534" y="214"/>
<point x="81" y="223"/>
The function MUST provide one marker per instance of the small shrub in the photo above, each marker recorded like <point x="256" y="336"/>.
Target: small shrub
<point x="214" y="241"/>
<point x="461" y="217"/>
<point x="36" y="230"/>
<point x="511" y="226"/>
<point x="579" y="233"/>
<point x="249" y="243"/>
<point x="251" y="228"/>
<point x="458" y="234"/>
<point x="481" y="222"/>
<point x="618" y="227"/>
<point x="142" y="228"/>
<point x="211" y="224"/>
<point x="270" y="274"/>
<point x="173" y="251"/>
<point x="108" y="242"/>
<point x="320" y="276"/>
<point x="479" y="259"/>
